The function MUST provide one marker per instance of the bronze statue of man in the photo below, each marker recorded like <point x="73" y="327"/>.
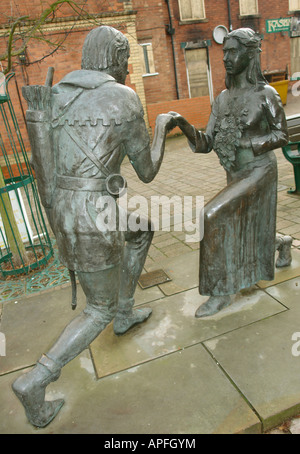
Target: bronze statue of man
<point x="80" y="131"/>
<point x="247" y="122"/>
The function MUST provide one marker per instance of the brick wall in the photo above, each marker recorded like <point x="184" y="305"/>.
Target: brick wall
<point x="195" y="110"/>
<point x="152" y="21"/>
<point x="149" y="23"/>
<point x="33" y="8"/>
<point x="67" y="58"/>
<point x="275" y="46"/>
<point x="152" y="18"/>
<point x="216" y="14"/>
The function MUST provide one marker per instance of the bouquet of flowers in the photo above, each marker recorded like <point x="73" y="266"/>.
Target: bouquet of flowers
<point x="228" y="132"/>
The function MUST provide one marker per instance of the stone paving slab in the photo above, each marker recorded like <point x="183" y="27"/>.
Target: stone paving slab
<point x="258" y="359"/>
<point x="295" y="426"/>
<point x="182" y="393"/>
<point x="173" y="321"/>
<point x="183" y="270"/>
<point x="173" y="326"/>
<point x="31" y="325"/>
<point x="288" y="293"/>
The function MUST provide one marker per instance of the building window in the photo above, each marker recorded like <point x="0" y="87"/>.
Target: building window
<point x="147" y="60"/>
<point x="295" y="56"/>
<point x="197" y="72"/>
<point x="294" y="5"/>
<point x="191" y="9"/>
<point x="248" y="7"/>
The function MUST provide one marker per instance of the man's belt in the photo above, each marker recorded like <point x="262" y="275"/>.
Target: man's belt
<point x="81" y="184"/>
<point x="114" y="184"/>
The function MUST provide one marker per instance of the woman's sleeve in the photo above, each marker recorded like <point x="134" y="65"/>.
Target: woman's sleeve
<point x="277" y="136"/>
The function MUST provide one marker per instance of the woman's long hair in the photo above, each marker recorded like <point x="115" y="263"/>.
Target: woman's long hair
<point x="248" y="38"/>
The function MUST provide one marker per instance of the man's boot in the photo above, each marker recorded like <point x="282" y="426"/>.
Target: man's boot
<point x="127" y="316"/>
<point x="30" y="390"/>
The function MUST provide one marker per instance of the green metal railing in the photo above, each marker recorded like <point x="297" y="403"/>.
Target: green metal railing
<point x="25" y="243"/>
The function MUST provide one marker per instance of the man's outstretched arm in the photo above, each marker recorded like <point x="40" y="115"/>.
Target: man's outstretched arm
<point x="148" y="161"/>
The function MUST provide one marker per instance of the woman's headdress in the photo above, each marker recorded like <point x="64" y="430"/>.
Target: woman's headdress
<point x="252" y="40"/>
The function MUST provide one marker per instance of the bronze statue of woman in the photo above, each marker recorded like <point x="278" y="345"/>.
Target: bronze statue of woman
<point x="247" y="122"/>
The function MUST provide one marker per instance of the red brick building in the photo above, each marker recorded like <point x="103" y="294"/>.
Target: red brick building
<point x="184" y="39"/>
<point x="67" y="28"/>
<point x="176" y="51"/>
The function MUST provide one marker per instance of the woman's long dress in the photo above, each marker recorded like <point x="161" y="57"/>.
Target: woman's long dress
<point x="238" y="246"/>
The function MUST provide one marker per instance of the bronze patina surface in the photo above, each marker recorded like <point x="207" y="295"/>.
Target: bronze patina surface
<point x="80" y="131"/>
<point x="247" y="122"/>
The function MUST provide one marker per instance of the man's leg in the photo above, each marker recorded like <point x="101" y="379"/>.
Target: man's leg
<point x="101" y="290"/>
<point x="134" y="257"/>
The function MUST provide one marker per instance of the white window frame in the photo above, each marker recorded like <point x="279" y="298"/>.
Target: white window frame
<point x="193" y="18"/>
<point x="294" y="5"/>
<point x="247" y="13"/>
<point x="149" y="66"/>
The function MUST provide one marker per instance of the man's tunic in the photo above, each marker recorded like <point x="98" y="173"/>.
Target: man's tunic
<point x="90" y="109"/>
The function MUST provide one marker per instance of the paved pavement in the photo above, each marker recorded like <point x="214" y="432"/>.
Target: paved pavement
<point x="235" y="372"/>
